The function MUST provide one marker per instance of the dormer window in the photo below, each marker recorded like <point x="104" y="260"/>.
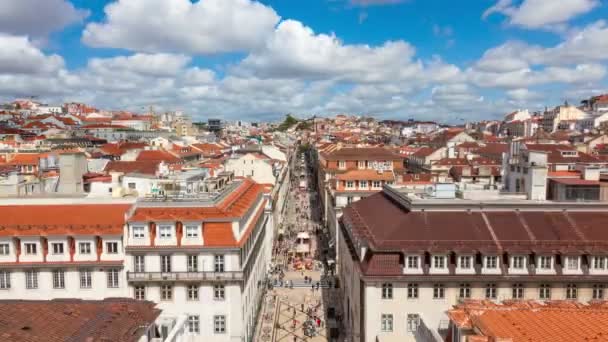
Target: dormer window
<point x="363" y="184"/>
<point x="191" y="231"/>
<point x="572" y="262"/>
<point x="350" y="184"/>
<point x="412" y="261"/>
<point x="165" y="232"/>
<point x="361" y="164"/>
<point x="30" y="248"/>
<point x="599" y="263"/>
<point x="491" y="261"/>
<point x="518" y="262"/>
<point x="438" y="261"/>
<point x="465" y="262"/>
<point x="342" y="164"/>
<point x="138" y="232"/>
<point x="545" y="262"/>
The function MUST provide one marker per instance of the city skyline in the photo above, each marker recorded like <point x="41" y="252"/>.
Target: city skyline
<point x="241" y="59"/>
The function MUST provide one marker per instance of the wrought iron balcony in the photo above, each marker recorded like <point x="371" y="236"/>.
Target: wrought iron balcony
<point x="184" y="276"/>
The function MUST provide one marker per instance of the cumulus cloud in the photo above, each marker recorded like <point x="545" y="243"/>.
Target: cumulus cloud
<point x="296" y="51"/>
<point x="37" y="18"/>
<point x="534" y="14"/>
<point x="155" y="65"/>
<point x="19" y="56"/>
<point x="203" y="27"/>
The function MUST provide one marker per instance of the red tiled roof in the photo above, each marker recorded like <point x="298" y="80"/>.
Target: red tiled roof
<point x="25" y="159"/>
<point x="555" y="157"/>
<point x="424" y="152"/>
<point x="386" y="226"/>
<point x="575" y="181"/>
<point x="141" y="167"/>
<point x="87" y="219"/>
<point x="75" y="320"/>
<point x="158" y="155"/>
<point x="353" y="175"/>
<point x="557" y="321"/>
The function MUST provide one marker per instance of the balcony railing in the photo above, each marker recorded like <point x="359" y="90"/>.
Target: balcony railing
<point x="184" y="276"/>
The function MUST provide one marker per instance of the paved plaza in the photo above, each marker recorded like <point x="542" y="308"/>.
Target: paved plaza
<point x="302" y="285"/>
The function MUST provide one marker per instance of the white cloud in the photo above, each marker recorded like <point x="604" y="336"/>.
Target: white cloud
<point x="203" y="27"/>
<point x="19" y="56"/>
<point x="534" y="14"/>
<point x="36" y="18"/>
<point x="155" y="65"/>
<point x="295" y="51"/>
<point x="523" y="94"/>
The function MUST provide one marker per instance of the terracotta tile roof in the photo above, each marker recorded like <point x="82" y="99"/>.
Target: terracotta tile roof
<point x="234" y="206"/>
<point x="379" y="264"/>
<point x="386" y="226"/>
<point x="575" y="181"/>
<point x="555" y="157"/>
<point x="158" y="155"/>
<point x="17" y="220"/>
<point x="26" y="159"/>
<point x="142" y="167"/>
<point x="75" y="320"/>
<point x="362" y="153"/>
<point x="417" y="178"/>
<point x="533" y="321"/>
<point x="218" y="234"/>
<point x="451" y="161"/>
<point x="372" y="175"/>
<point x="424" y="152"/>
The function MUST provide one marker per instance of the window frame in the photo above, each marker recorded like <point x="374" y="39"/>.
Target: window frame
<point x="491" y="262"/>
<point x="5" y="280"/>
<point x="571" y="292"/>
<point x="5" y="248"/>
<point x="219" y="292"/>
<point x="219" y="263"/>
<point x="387" y="291"/>
<point x="412" y="291"/>
<point x="465" y="262"/>
<point x="113" y="278"/>
<point x="518" y="291"/>
<point x="166" y="293"/>
<point x="31" y="279"/>
<point x="192" y="293"/>
<point x="386" y="322"/>
<point x="57" y="245"/>
<point x="436" y="258"/>
<point x="113" y="249"/>
<point x="87" y="248"/>
<point x="598" y="291"/>
<point x="85" y="278"/>
<point x="464" y="291"/>
<point x="219" y="324"/>
<point x="544" y="292"/>
<point x="192" y="263"/>
<point x="31" y="248"/>
<point x="438" y="291"/>
<point x="415" y="259"/>
<point x="165" y="232"/>
<point x="194" y="324"/>
<point x="543" y="260"/>
<point x="58" y="277"/>
<point x="139" y="292"/>
<point x="136" y="231"/>
<point x="491" y="291"/>
<point x="192" y="228"/>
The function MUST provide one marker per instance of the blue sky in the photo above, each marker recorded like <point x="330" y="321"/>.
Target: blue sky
<point x="432" y="59"/>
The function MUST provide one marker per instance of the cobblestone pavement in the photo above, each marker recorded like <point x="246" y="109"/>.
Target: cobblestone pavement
<point x="298" y="313"/>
